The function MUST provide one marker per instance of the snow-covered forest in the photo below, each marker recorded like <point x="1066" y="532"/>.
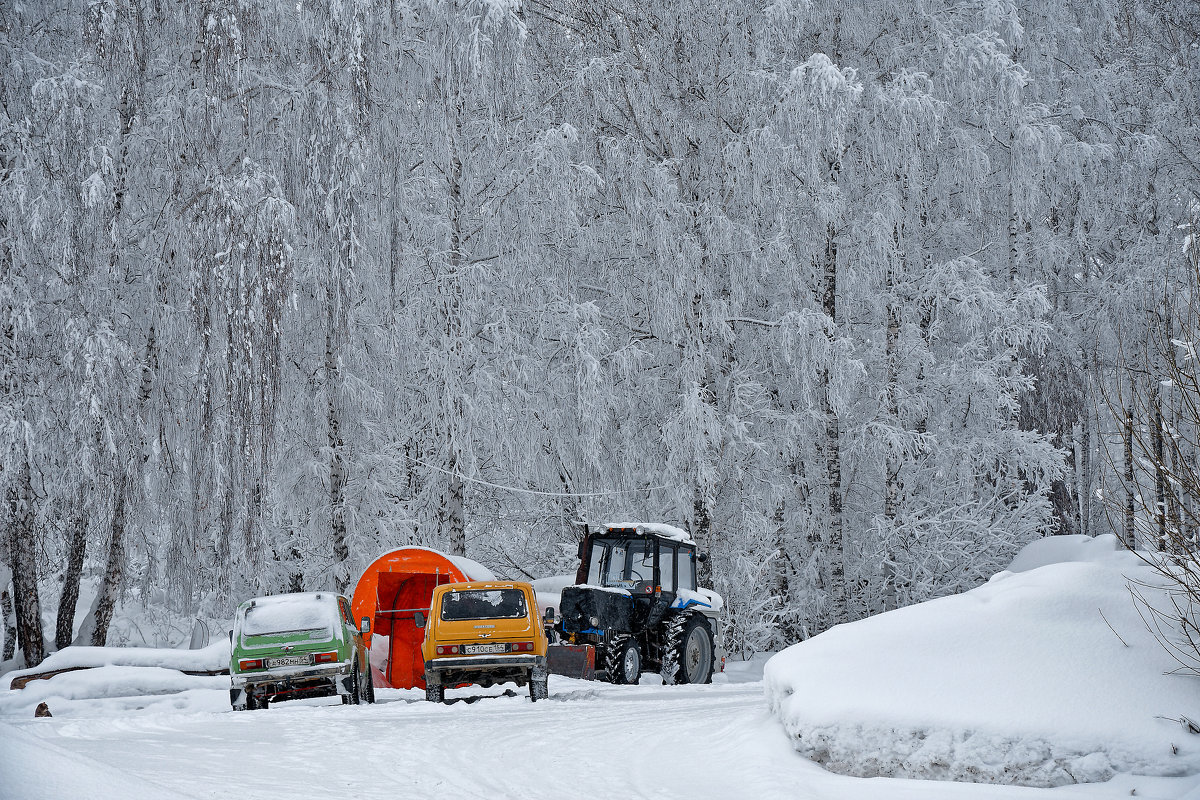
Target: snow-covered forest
<point x="866" y="296"/>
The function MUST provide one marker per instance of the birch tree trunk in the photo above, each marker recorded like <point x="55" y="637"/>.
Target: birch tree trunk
<point x="892" y="464"/>
<point x="114" y="568"/>
<point x="834" y="545"/>
<point x="76" y="550"/>
<point x="22" y="548"/>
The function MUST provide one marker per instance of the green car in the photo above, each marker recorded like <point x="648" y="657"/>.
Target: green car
<point x="288" y="646"/>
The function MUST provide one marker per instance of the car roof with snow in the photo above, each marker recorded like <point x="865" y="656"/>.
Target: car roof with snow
<point x="289" y="612"/>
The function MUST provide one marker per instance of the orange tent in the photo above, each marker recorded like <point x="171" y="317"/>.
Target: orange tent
<point x="392" y="588"/>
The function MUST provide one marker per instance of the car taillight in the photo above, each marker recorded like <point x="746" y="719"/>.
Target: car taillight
<point x="250" y="663"/>
<point x="522" y="647"/>
<point x="447" y="650"/>
<point x="325" y="658"/>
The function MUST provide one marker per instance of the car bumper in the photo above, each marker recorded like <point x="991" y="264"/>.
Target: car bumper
<point x="485" y="662"/>
<point x="326" y="679"/>
<point x="469" y="669"/>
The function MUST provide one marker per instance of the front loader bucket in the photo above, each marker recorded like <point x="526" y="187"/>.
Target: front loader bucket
<point x="572" y="660"/>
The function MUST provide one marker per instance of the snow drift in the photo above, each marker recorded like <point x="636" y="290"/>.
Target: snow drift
<point x="213" y="658"/>
<point x="1044" y="676"/>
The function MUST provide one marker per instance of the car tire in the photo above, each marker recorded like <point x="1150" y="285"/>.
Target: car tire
<point x="625" y="662"/>
<point x="435" y="694"/>
<point x="354" y="695"/>
<point x="696" y="651"/>
<point x="368" y="686"/>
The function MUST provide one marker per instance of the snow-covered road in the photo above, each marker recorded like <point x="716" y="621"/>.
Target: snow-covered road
<point x="589" y="739"/>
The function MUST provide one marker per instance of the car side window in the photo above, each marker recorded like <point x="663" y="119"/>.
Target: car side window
<point x="345" y="607"/>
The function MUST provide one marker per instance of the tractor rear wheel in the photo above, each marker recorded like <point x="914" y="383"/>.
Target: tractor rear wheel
<point x="695" y="652"/>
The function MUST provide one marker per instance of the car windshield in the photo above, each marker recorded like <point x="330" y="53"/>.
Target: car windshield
<point x="271" y="615"/>
<point x="483" y="604"/>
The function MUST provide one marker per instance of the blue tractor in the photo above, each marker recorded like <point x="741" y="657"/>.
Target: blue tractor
<point x="635" y="607"/>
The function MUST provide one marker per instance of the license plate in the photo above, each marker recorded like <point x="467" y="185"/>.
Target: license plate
<point x="291" y="661"/>
<point x="478" y="649"/>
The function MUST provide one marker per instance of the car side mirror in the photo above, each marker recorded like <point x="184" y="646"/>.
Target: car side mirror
<point x="418" y="619"/>
<point x="548" y="617"/>
<point x="365" y="625"/>
<point x="231" y="637"/>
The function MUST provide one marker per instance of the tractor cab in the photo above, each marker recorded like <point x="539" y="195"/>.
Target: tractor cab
<point x="643" y="562"/>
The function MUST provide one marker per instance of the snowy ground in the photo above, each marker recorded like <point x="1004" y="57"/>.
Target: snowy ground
<point x="589" y="739"/>
<point x="1021" y="679"/>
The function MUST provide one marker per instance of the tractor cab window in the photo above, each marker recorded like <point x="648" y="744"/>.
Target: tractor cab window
<point x="666" y="566"/>
<point x="685" y="568"/>
<point x="620" y="562"/>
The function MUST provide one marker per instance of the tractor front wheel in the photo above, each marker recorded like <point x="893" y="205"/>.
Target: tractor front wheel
<point x="624" y="661"/>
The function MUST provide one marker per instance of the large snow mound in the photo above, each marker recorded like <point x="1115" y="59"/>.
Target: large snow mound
<point x="1044" y="676"/>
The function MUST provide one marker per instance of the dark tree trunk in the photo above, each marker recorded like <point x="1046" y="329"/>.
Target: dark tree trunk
<point x="114" y="570"/>
<point x="10" y="631"/>
<point x="76" y="550"/>
<point x="337" y="466"/>
<point x="1160" y="470"/>
<point x="1129" y="533"/>
<point x="22" y="544"/>
<point x="452" y="522"/>
<point x="702" y="533"/>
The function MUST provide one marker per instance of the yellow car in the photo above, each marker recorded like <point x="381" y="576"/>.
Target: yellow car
<point x="483" y="632"/>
